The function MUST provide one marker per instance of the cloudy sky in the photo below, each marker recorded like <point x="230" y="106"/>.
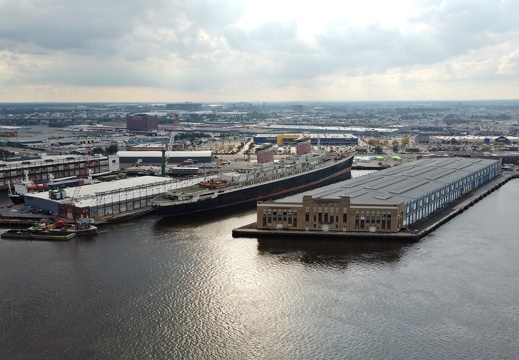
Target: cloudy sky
<point x="258" y="50"/>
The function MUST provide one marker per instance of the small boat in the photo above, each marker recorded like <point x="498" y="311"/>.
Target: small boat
<point x="85" y="226"/>
<point x="26" y="234"/>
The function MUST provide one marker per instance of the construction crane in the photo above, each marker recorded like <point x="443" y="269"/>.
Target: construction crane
<point x="169" y="148"/>
<point x="86" y="170"/>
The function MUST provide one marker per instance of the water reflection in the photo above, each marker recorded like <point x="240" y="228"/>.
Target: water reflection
<point x="331" y="252"/>
<point x="206" y="217"/>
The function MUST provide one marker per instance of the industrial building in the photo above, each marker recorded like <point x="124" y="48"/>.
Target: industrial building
<point x="333" y="139"/>
<point x="60" y="166"/>
<point x="107" y="201"/>
<point x="130" y="158"/>
<point x="384" y="201"/>
<point x="316" y="139"/>
<point x="142" y="123"/>
<point x="357" y="130"/>
<point x="186" y="106"/>
<point x="102" y="200"/>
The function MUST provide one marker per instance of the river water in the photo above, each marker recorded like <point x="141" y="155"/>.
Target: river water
<point x="185" y="289"/>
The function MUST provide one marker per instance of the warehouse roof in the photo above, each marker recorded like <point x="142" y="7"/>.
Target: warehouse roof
<point x="128" y="188"/>
<point x="158" y="154"/>
<point x="398" y="184"/>
<point x="48" y="160"/>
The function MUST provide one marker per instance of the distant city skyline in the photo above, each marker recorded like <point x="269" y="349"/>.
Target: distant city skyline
<point x="255" y="51"/>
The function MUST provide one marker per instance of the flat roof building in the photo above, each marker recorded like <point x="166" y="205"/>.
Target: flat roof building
<point x="316" y="138"/>
<point x="129" y="158"/>
<point x="186" y="106"/>
<point x="103" y="199"/>
<point x="39" y="169"/>
<point x="142" y="122"/>
<point x="385" y="201"/>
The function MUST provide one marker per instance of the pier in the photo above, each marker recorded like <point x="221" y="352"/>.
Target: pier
<point x="13" y="216"/>
<point x="412" y="233"/>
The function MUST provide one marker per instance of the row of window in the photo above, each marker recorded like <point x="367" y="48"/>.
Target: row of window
<point x="440" y="193"/>
<point x="362" y="218"/>
<point x="422" y="207"/>
<point x="280" y="215"/>
<point x="366" y="218"/>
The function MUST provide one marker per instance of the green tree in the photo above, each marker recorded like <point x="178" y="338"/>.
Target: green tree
<point x="112" y="149"/>
<point x="374" y="142"/>
<point x="394" y="145"/>
<point x="4" y="153"/>
<point x="405" y="141"/>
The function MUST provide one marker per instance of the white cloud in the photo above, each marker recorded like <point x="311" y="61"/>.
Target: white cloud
<point x="242" y="50"/>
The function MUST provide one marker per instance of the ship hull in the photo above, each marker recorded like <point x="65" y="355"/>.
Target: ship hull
<point x="338" y="171"/>
<point x="16" y="199"/>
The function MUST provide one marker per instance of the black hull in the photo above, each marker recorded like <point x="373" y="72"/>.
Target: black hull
<point x="339" y="171"/>
<point x="17" y="199"/>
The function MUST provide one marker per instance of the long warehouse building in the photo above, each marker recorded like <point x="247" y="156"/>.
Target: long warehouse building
<point x="129" y="158"/>
<point x="106" y="201"/>
<point x="384" y="201"/>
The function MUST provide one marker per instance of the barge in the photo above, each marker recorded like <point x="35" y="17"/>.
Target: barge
<point x="27" y="234"/>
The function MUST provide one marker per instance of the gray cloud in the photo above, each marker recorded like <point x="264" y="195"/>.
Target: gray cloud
<point x="195" y="45"/>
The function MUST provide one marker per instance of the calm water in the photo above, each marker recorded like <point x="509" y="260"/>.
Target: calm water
<point x="185" y="289"/>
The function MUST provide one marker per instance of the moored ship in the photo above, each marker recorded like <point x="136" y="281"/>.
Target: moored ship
<point x="265" y="180"/>
<point x="26" y="186"/>
<point x="23" y="187"/>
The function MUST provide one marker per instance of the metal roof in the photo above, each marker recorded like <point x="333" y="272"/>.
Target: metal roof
<point x="48" y="159"/>
<point x="398" y="184"/>
<point x="158" y="154"/>
<point x="129" y="188"/>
